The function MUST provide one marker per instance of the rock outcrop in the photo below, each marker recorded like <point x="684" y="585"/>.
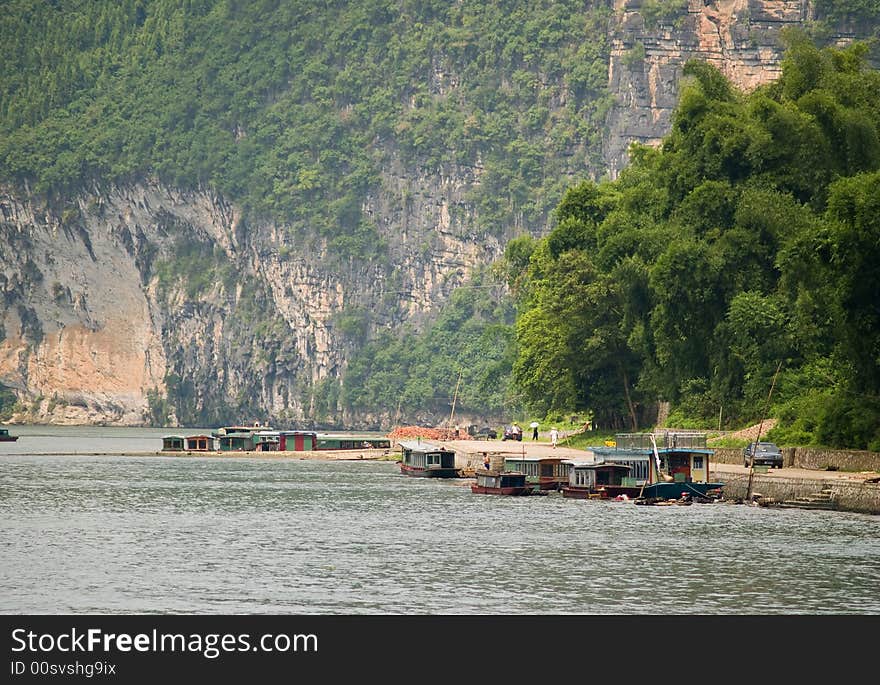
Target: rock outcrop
<point x="650" y="48"/>
<point x="146" y="304"/>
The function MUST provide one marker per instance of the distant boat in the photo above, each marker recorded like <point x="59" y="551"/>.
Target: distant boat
<point x="173" y="443"/>
<point x="6" y="437"/>
<point x="425" y="460"/>
<point x="503" y="483"/>
<point x="327" y="441"/>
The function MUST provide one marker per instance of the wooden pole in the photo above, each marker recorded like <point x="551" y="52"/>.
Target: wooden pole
<point x="758" y="438"/>
<point x="454" y="398"/>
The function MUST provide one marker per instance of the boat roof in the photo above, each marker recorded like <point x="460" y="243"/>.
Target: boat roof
<point x="559" y="459"/>
<point x="422" y="446"/>
<point x="599" y="465"/>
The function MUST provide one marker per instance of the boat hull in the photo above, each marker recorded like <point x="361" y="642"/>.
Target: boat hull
<point x="417" y="472"/>
<point x="8" y="438"/>
<point x="582" y="493"/>
<point x="676" y="490"/>
<point x="517" y="490"/>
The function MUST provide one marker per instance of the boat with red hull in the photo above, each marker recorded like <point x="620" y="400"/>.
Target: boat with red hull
<point x="542" y="473"/>
<point x="509" y="483"/>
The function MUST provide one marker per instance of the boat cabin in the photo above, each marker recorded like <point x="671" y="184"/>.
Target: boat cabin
<point x="229" y="430"/>
<point x="266" y="441"/>
<point x="297" y="441"/>
<point x="173" y="443"/>
<point x="501" y="483"/>
<point x="236" y="442"/>
<point x="351" y="442"/>
<point x="199" y="443"/>
<point x="546" y="473"/>
<point x="427" y="460"/>
<point x="588" y="479"/>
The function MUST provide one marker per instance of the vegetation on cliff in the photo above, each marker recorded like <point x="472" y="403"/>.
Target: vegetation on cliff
<point x="292" y="108"/>
<point x="748" y="243"/>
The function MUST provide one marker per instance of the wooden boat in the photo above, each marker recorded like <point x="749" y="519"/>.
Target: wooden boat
<point x="589" y="479"/>
<point x="425" y="460"/>
<point x="297" y="441"/>
<point x="173" y="443"/>
<point x="502" y="483"/>
<point x="237" y="442"/>
<point x="350" y="442"/>
<point x="199" y="443"/>
<point x="544" y="473"/>
<point x="229" y="430"/>
<point x="6" y="437"/>
<point x="664" y="466"/>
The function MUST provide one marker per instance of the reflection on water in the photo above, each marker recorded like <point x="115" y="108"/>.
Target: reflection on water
<point x="104" y="534"/>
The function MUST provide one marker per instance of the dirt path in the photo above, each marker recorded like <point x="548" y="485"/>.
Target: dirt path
<point x="749" y="433"/>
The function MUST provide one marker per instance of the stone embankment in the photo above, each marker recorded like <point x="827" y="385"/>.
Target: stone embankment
<point x="813" y="458"/>
<point x="848" y="492"/>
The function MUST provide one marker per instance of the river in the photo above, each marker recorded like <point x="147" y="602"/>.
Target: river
<point x="96" y="534"/>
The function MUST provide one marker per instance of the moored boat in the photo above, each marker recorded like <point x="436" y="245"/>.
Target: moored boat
<point x="425" y="460"/>
<point x="543" y="473"/>
<point x="589" y="480"/>
<point x="502" y="483"/>
<point x="327" y="441"/>
<point x="173" y="443"/>
<point x="663" y="466"/>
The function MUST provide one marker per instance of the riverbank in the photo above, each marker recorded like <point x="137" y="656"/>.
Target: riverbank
<point x="850" y="490"/>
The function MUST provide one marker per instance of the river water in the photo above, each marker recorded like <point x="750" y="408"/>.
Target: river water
<point x="84" y="533"/>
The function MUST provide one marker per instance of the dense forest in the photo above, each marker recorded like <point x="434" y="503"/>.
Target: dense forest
<point x="740" y="257"/>
<point x="290" y="108"/>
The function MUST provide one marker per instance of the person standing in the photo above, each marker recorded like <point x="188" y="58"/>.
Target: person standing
<point x="487" y="463"/>
<point x="554" y="436"/>
<point x="534" y="431"/>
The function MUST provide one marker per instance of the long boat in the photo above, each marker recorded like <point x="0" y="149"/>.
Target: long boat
<point x="6" y="437"/>
<point x="542" y="473"/>
<point x="426" y="460"/>
<point x="502" y="483"/>
<point x="589" y="479"/>
<point x="326" y="441"/>
<point x="662" y="466"/>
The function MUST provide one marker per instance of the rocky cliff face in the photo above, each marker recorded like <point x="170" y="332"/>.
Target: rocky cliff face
<point x="652" y="41"/>
<point x="126" y="297"/>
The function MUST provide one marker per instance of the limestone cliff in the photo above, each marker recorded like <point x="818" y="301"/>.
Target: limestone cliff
<point x="651" y="42"/>
<point x="125" y="297"/>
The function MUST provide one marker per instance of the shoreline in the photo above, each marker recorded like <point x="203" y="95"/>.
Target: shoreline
<point x="310" y="455"/>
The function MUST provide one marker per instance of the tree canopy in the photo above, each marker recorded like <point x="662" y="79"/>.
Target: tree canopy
<point x="748" y="242"/>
